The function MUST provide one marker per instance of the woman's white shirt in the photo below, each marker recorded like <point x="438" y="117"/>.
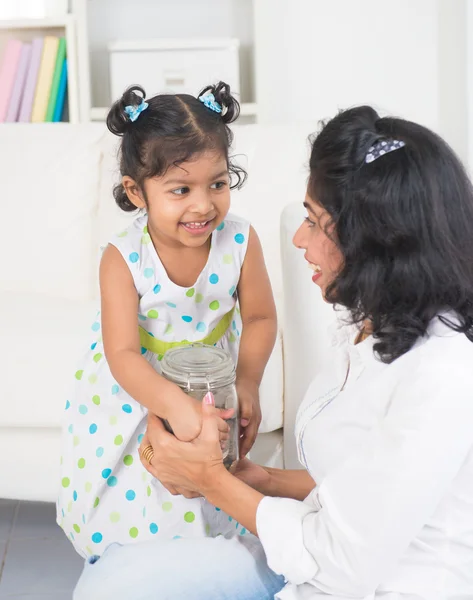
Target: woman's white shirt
<point x="391" y="451"/>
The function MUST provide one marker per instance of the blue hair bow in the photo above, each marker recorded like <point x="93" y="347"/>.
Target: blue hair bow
<point x="208" y="99"/>
<point x="135" y="111"/>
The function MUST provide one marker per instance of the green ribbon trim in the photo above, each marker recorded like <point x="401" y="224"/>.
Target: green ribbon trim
<point x="160" y="348"/>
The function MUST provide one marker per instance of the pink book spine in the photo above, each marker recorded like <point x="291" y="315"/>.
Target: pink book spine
<point x="31" y="78"/>
<point x="19" y="85"/>
<point x="8" y="74"/>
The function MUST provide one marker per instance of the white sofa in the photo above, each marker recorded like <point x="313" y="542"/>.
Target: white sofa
<point x="57" y="210"/>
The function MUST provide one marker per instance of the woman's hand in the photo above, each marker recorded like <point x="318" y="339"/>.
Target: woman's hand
<point x="250" y="413"/>
<point x="186" y="466"/>
<point x="253" y="475"/>
<point x="174" y="490"/>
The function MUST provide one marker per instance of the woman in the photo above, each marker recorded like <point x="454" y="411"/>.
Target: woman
<point x="385" y="508"/>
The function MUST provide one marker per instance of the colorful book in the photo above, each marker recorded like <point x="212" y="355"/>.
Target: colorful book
<point x="19" y="85"/>
<point x="45" y="79"/>
<point x="61" y="94"/>
<point x="8" y="71"/>
<point x="60" y="58"/>
<point x="31" y="79"/>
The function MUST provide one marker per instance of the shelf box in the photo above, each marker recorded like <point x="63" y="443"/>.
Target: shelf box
<point x="182" y="66"/>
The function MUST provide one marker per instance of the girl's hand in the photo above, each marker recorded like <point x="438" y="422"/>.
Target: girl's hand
<point x="185" y="418"/>
<point x="253" y="475"/>
<point x="185" y="465"/>
<point x="250" y="413"/>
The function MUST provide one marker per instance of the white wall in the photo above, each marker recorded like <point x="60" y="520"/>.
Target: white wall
<point x="337" y="53"/>
<point x="405" y="57"/>
<point x="469" y="81"/>
<point x="453" y="74"/>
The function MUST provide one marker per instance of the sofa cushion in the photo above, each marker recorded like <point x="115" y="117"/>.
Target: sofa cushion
<point x="41" y="341"/>
<point x="51" y="188"/>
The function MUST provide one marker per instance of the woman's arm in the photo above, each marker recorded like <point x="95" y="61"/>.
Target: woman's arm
<point x="119" y="300"/>
<point x="291" y="483"/>
<point x="197" y="466"/>
<point x="258" y="314"/>
<point x="179" y="466"/>
<point x="234" y="496"/>
<point x="294" y="483"/>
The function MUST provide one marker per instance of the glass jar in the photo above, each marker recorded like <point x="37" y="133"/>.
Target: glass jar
<point x="198" y="369"/>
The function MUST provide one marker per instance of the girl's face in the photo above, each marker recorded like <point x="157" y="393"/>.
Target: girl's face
<point x="321" y="253"/>
<point x="188" y="202"/>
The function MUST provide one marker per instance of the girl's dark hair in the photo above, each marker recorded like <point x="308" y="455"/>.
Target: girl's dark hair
<point x="403" y="223"/>
<point x="170" y="131"/>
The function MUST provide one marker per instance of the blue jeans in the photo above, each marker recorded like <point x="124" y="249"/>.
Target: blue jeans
<point x="181" y="569"/>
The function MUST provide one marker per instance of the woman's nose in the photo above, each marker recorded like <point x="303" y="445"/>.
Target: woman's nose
<point x="299" y="239"/>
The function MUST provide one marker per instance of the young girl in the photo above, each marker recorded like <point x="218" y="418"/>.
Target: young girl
<point x="185" y="270"/>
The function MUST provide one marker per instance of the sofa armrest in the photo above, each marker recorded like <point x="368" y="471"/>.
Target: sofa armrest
<point x="306" y="323"/>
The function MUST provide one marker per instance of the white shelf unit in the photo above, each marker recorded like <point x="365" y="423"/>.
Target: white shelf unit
<point x="46" y="23"/>
<point x="26" y="29"/>
<point x="89" y="109"/>
<point x="76" y="28"/>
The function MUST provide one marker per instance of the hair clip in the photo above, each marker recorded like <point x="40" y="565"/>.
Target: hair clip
<point x="134" y="112"/>
<point x="381" y="148"/>
<point x="208" y="99"/>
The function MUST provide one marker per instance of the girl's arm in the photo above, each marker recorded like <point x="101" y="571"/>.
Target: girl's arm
<point x="258" y="314"/>
<point x="132" y="371"/>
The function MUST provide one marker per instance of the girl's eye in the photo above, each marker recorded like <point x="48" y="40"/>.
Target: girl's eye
<point x="218" y="185"/>
<point x="180" y="191"/>
<point x="309" y="222"/>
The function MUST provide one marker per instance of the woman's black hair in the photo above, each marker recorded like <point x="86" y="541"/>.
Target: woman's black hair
<point x="403" y="223"/>
<point x="172" y="129"/>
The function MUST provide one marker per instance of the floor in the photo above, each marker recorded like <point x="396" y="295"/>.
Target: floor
<point x="37" y="561"/>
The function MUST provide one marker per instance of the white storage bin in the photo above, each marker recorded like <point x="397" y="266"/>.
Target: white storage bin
<point x="173" y="65"/>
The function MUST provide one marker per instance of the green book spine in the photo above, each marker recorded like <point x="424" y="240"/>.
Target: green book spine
<point x="61" y="55"/>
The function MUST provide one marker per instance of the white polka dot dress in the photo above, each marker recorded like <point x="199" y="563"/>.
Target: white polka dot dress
<point x="106" y="495"/>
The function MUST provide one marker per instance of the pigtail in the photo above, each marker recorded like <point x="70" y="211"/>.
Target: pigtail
<point x="118" y="119"/>
<point x="223" y="96"/>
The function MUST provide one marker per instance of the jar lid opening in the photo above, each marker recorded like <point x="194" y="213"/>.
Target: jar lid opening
<point x="198" y="366"/>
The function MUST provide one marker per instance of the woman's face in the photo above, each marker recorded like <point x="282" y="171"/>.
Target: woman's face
<point x="321" y="253"/>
